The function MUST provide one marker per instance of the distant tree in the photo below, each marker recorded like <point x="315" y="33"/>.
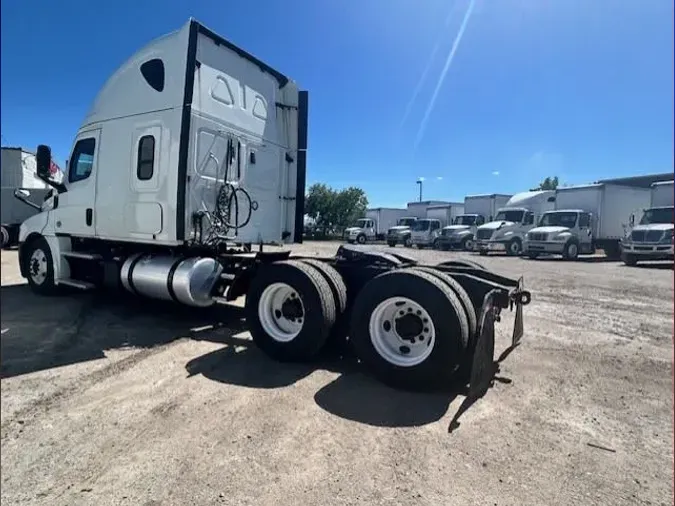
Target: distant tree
<point x="550" y="183"/>
<point x="334" y="209"/>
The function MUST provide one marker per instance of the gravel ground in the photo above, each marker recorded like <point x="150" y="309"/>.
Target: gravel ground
<point x="116" y="401"/>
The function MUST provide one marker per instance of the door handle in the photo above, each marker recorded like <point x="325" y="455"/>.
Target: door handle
<point x="89" y="216"/>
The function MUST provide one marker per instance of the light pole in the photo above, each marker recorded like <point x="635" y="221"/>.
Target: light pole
<point x="419" y="182"/>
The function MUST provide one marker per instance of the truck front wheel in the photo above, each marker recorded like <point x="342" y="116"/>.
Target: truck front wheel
<point x="514" y="247"/>
<point x="467" y="244"/>
<point x="571" y="251"/>
<point x="39" y="265"/>
<point x="361" y="239"/>
<point x="628" y="259"/>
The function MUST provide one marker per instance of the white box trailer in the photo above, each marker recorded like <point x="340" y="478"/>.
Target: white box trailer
<point x="485" y="205"/>
<point x="586" y="218"/>
<point x="419" y="209"/>
<point x="385" y="218"/>
<point x="18" y="171"/>
<point x="445" y="213"/>
<point x="662" y="194"/>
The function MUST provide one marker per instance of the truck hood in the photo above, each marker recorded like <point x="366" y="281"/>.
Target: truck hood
<point x="352" y="229"/>
<point x="399" y="228"/>
<point x="653" y="226"/>
<point x="453" y="229"/>
<point x="494" y="225"/>
<point x="549" y="230"/>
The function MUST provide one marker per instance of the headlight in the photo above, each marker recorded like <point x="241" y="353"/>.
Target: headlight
<point x="667" y="237"/>
<point x="561" y="237"/>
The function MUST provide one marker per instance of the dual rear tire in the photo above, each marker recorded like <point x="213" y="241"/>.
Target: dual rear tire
<point x="409" y="327"/>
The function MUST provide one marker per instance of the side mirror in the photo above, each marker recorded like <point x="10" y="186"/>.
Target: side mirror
<point x="631" y="221"/>
<point x="21" y="194"/>
<point x="43" y="159"/>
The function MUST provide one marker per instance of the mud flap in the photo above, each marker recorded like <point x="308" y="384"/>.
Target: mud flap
<point x="483" y="366"/>
<point x="518" y="327"/>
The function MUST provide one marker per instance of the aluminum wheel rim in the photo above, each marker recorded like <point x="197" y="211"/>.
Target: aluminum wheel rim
<point x="38" y="266"/>
<point x="274" y="316"/>
<point x="389" y="344"/>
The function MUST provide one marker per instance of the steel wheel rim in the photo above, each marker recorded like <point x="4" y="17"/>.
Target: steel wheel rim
<point x="38" y="266"/>
<point x="273" y="314"/>
<point x="396" y="349"/>
<point x="572" y="250"/>
<point x="468" y="245"/>
<point x="361" y="239"/>
<point x="514" y="248"/>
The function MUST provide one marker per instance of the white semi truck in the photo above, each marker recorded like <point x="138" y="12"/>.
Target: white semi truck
<point x="586" y="218"/>
<point x="192" y="151"/>
<point x="507" y="230"/>
<point x="375" y="225"/>
<point x="18" y="172"/>
<point x="478" y="210"/>
<point x="401" y="233"/>
<point x="652" y="238"/>
<point x="427" y="231"/>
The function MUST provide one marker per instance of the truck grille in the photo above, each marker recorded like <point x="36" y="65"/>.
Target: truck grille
<point x="484" y="234"/>
<point x="537" y="236"/>
<point x="646" y="236"/>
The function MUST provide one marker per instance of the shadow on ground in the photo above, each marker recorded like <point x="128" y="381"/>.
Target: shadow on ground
<point x="40" y="333"/>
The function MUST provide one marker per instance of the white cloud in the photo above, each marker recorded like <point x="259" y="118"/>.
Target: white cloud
<point x="440" y="178"/>
<point x="495" y="172"/>
<point x="421" y="178"/>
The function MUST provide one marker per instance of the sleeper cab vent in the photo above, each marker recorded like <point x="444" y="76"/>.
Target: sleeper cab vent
<point x="153" y="72"/>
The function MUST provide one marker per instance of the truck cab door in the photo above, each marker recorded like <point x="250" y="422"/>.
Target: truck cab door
<point x="435" y="229"/>
<point x="370" y="228"/>
<point x="585" y="234"/>
<point x="75" y="213"/>
<point x="528" y="221"/>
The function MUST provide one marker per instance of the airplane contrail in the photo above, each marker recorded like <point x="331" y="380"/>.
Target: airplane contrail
<point x="446" y="67"/>
<point x="425" y="72"/>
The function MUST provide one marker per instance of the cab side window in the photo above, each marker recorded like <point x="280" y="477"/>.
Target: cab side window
<point x="529" y="218"/>
<point x="435" y="225"/>
<point x="480" y="220"/>
<point x="82" y="161"/>
<point x="145" y="166"/>
<point x="584" y="220"/>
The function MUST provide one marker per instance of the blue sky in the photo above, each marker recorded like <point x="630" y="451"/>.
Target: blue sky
<point x="581" y="89"/>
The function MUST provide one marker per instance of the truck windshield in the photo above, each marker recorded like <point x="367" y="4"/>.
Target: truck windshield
<point x="421" y="225"/>
<point x="658" y="215"/>
<point x="567" y="220"/>
<point x="406" y="222"/>
<point x="361" y="223"/>
<point x="515" y="216"/>
<point x="465" y="219"/>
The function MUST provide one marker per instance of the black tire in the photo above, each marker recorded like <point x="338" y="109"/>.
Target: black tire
<point x="571" y="251"/>
<point x="4" y="237"/>
<point x="629" y="259"/>
<point x="446" y="312"/>
<point x="612" y="251"/>
<point x="514" y="247"/>
<point x="465" y="262"/>
<point x="466" y="242"/>
<point x="361" y="239"/>
<point x="483" y="252"/>
<point x="463" y="297"/>
<point x="319" y="314"/>
<point x="391" y="244"/>
<point x="335" y="281"/>
<point x="47" y="286"/>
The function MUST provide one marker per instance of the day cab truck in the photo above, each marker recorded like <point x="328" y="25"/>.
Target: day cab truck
<point x="478" y="209"/>
<point x="427" y="231"/>
<point x="19" y="179"/>
<point x="374" y="226"/>
<point x="506" y="232"/>
<point x="586" y="218"/>
<point x="193" y="151"/>
<point x="401" y="233"/>
<point x="652" y="238"/>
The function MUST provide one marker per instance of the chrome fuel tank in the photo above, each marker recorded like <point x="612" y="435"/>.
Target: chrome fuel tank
<point x="185" y="280"/>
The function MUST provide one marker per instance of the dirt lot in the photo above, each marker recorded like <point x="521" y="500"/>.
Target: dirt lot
<point x="134" y="402"/>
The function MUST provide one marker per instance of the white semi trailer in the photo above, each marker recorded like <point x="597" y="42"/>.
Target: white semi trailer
<point x="18" y="172"/>
<point x="652" y="238"/>
<point x="195" y="149"/>
<point x="478" y="210"/>
<point x="586" y="218"/>
<point x="506" y="232"/>
<point x="375" y="225"/>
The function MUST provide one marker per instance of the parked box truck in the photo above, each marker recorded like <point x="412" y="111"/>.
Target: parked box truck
<point x="401" y="233"/>
<point x="375" y="225"/>
<point x="652" y="238"/>
<point x="506" y="232"/>
<point x="586" y="218"/>
<point x="426" y="231"/>
<point x="419" y="209"/>
<point x="18" y="171"/>
<point x="478" y="209"/>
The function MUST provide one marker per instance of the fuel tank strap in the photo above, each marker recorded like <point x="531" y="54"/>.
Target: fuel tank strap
<point x="130" y="273"/>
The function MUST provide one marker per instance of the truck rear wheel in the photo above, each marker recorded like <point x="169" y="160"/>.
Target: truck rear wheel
<point x="290" y="310"/>
<point x="391" y="244"/>
<point x="410" y="329"/>
<point x="4" y="237"/>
